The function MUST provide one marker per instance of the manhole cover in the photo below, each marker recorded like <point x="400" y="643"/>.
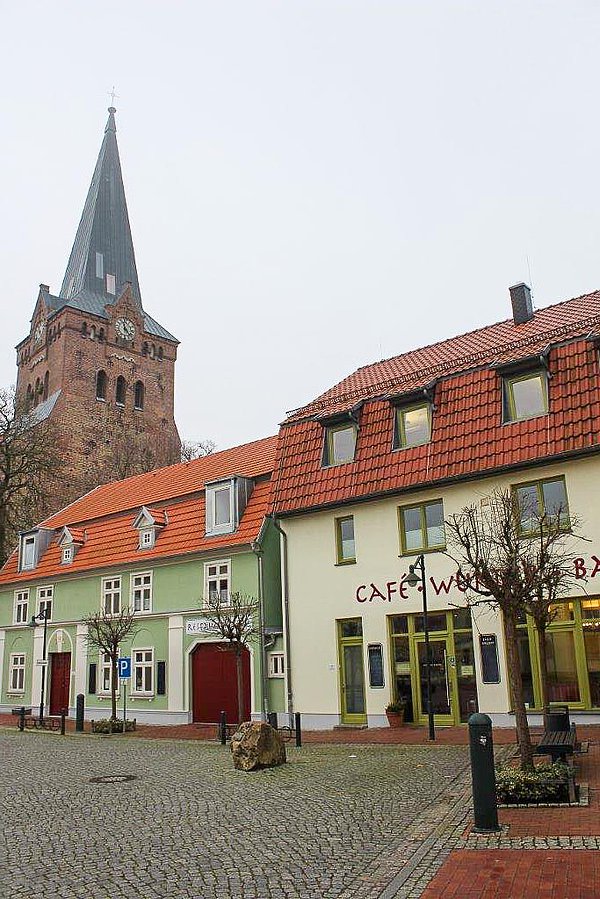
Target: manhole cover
<point x="112" y="779"/>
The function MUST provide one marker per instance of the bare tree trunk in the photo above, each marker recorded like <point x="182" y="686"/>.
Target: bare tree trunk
<point x="113" y="683"/>
<point x="240" y="685"/>
<point x="541" y="636"/>
<point x="516" y="686"/>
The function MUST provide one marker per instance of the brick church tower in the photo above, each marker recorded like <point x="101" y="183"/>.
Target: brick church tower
<point x="94" y="363"/>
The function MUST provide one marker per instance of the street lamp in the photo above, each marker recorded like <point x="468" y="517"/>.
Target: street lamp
<point x="412" y="580"/>
<point x="42" y="616"/>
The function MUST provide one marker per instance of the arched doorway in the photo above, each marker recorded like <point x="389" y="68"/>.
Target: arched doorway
<point x="214" y="683"/>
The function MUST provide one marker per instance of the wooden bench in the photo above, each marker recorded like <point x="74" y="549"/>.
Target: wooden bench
<point x="557" y="744"/>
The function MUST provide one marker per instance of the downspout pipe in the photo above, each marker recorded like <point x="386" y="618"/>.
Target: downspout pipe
<point x="258" y="551"/>
<point x="286" y="618"/>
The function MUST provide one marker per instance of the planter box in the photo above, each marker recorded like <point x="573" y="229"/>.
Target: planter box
<point x="395" y="719"/>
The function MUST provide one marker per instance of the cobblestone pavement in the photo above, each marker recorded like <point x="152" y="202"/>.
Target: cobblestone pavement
<point x="336" y="822"/>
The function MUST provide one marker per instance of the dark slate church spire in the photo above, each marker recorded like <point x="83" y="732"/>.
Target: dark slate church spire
<point x="102" y="258"/>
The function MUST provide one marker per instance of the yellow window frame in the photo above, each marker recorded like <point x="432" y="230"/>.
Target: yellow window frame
<point x="401" y="412"/>
<point x="340" y="559"/>
<point x="509" y="412"/>
<point x="329" y="454"/>
<point x="424" y="547"/>
<point x="539" y="485"/>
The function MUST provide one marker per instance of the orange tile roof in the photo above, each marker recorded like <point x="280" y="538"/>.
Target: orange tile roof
<point x="248" y="460"/>
<point x="468" y="436"/>
<point x="106" y="513"/>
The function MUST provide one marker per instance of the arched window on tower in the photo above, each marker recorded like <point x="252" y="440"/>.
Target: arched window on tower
<point x="145" y="348"/>
<point x="160" y="353"/>
<point x="84" y="329"/>
<point x="93" y="332"/>
<point x="38" y="390"/>
<point x="101" y="335"/>
<point x="46" y="380"/>
<point x="138" y="401"/>
<point x="29" y="399"/>
<point x="120" y="392"/>
<point x="101" y="385"/>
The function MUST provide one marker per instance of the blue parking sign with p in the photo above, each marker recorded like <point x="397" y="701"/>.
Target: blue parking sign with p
<point x="125" y="668"/>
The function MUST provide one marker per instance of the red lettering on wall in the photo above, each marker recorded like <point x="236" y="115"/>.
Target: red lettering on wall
<point x="391" y="588"/>
<point x="444" y="586"/>
<point x="580" y="569"/>
<point x="596" y="566"/>
<point x="375" y="592"/>
<point x="360" y="598"/>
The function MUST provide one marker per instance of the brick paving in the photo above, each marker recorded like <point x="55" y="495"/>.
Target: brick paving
<point x="514" y="874"/>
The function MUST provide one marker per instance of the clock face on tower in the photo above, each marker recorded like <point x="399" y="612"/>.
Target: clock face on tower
<point x="39" y="331"/>
<point x="125" y="329"/>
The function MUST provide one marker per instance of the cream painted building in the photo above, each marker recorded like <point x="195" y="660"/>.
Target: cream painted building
<point x="369" y="472"/>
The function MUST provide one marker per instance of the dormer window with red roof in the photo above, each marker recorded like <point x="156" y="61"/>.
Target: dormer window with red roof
<point x="225" y="504"/>
<point x="149" y="523"/>
<point x="340" y="443"/>
<point x="412" y="426"/>
<point x="70" y="541"/>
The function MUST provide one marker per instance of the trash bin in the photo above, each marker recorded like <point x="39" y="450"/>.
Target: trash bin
<point x="557" y="718"/>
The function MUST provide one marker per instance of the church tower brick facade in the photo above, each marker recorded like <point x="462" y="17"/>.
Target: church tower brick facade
<point x="94" y="363"/>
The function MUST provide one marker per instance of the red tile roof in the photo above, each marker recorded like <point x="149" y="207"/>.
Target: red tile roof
<point x="106" y="516"/>
<point x="468" y="436"/>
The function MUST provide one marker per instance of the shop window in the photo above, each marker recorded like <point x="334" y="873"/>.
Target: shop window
<point x="422" y="527"/>
<point x="435" y="622"/>
<point x="541" y="504"/>
<point x="412" y="426"/>
<point x="400" y="624"/>
<point x="525" y="396"/>
<point x="340" y="444"/>
<point x="563" y="685"/>
<point x="344" y="539"/>
<point x="351" y="627"/>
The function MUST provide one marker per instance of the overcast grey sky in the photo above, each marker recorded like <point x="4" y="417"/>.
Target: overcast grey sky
<point x="313" y="185"/>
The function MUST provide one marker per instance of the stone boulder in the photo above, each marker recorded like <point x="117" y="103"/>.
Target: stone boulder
<point x="257" y="745"/>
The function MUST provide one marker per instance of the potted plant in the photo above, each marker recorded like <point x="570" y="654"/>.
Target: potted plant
<point x="395" y="713"/>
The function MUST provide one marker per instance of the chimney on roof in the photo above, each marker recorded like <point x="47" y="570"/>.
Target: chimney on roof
<point x="520" y="297"/>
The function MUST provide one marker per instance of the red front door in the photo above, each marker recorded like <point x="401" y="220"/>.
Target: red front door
<point x="60" y="681"/>
<point x="214" y="683"/>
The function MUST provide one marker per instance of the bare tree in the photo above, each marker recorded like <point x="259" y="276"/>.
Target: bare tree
<point x="235" y="619"/>
<point x="30" y="470"/>
<point x="106" y="632"/>
<point x="195" y="449"/>
<point x="516" y="571"/>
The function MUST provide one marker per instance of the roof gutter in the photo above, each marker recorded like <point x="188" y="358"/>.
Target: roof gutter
<point x="286" y="618"/>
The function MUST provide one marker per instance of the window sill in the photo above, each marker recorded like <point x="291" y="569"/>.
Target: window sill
<point x="422" y="552"/>
<point x="15" y="692"/>
<point x="141" y="695"/>
<point x="142" y="612"/>
<point x="516" y="421"/>
<point x="409" y="446"/>
<point x="344" y="562"/>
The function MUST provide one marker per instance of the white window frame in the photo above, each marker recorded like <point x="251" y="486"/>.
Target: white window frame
<point x="21" y="600"/>
<point x="67" y="554"/>
<point x="218" y="575"/>
<point x="45" y="599"/>
<point x="210" y="498"/>
<point x="18" y="668"/>
<point x="27" y="541"/>
<point x="276" y="664"/>
<point x="145" y="665"/>
<point x="141" y="588"/>
<point x="106" y="591"/>
<point x="147" y="538"/>
<point x="102" y="666"/>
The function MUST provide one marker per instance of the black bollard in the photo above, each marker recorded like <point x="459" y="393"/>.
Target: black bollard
<point x="79" y="711"/>
<point x="272" y="719"/>
<point x="223" y="729"/>
<point x="63" y="719"/>
<point x="485" y="806"/>
<point x="22" y="718"/>
<point x="298" y="731"/>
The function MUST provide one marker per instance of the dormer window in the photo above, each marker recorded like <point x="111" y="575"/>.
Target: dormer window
<point x="225" y="504"/>
<point x="412" y="426"/>
<point x="340" y="443"/>
<point x="28" y="553"/>
<point x="525" y="396"/>
<point x="70" y="541"/>
<point x="149" y="523"/>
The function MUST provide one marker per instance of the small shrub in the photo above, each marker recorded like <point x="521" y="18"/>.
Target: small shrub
<point x="112" y="726"/>
<point x="547" y="783"/>
<point x="396" y="707"/>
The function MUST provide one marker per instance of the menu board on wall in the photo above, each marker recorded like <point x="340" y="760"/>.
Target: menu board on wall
<point x="375" y="653"/>
<point x="490" y="669"/>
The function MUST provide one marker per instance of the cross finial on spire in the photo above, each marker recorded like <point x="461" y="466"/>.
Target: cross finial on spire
<point x="113" y="96"/>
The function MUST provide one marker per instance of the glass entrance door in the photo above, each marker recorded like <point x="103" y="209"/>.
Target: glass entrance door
<point x="353" y="709"/>
<point x="441" y="687"/>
